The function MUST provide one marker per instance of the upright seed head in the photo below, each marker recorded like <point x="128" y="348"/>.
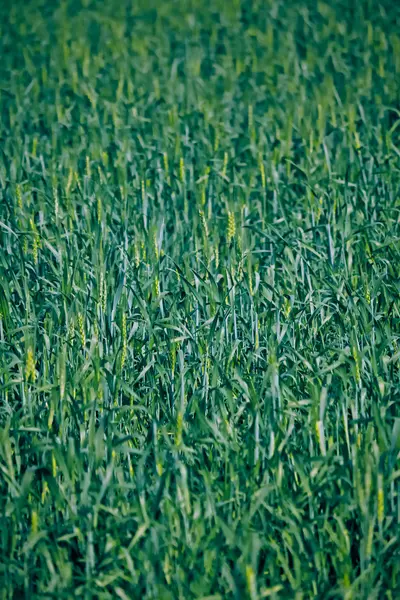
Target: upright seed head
<point x="35" y="247"/>
<point x="124" y="342"/>
<point x="381" y="500"/>
<point x="34" y="522"/>
<point x="370" y="539"/>
<point x="231" y="226"/>
<point x="173" y="358"/>
<point x="320" y="434"/>
<point x="123" y="328"/>
<point x="70" y="332"/>
<point x="251" y="582"/>
<point x="19" y="195"/>
<point x="45" y="491"/>
<point x="216" y="256"/>
<point x="367" y="294"/>
<point x="143" y="189"/>
<point x="286" y="309"/>
<point x="104" y="303"/>
<point x="182" y="169"/>
<point x="257" y="335"/>
<point x="370" y="257"/>
<point x="81" y="329"/>
<point x="240" y="271"/>
<point x="53" y="465"/>
<point x="62" y="376"/>
<point x="30" y="367"/>
<point x="204" y="223"/>
<point x="101" y="290"/>
<point x="262" y="172"/>
<point x="99" y="210"/>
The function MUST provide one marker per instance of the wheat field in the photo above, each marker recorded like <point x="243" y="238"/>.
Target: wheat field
<point x="199" y="300"/>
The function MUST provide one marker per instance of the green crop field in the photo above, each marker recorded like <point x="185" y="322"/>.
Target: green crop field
<point x="200" y="299"/>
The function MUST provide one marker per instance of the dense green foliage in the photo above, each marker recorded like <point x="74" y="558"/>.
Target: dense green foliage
<point x="199" y="298"/>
